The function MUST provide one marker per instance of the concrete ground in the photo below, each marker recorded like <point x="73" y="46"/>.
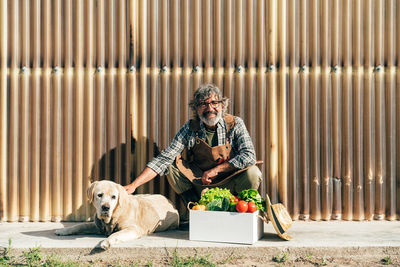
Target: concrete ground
<point x="365" y="241"/>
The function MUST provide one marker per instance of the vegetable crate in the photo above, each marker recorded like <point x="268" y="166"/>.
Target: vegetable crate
<point x="222" y="226"/>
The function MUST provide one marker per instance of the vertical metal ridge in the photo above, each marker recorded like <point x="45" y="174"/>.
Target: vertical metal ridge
<point x="228" y="39"/>
<point x="174" y="126"/>
<point x="358" y="198"/>
<point x="45" y="116"/>
<point x="99" y="119"/>
<point x="78" y="178"/>
<point x="304" y="113"/>
<point x="238" y="26"/>
<point x="56" y="156"/>
<point x="185" y="25"/>
<point x="390" y="104"/>
<point x="164" y="120"/>
<point x="140" y="124"/>
<point x="4" y="112"/>
<point x="13" y="152"/>
<point x="249" y="46"/>
<point x="110" y="91"/>
<point x="228" y="55"/>
<point x="121" y="103"/>
<point x="325" y="119"/>
<point x="121" y="46"/>
<point x="56" y="113"/>
<point x="368" y="118"/>
<point x="110" y="122"/>
<point x="261" y="93"/>
<point x="293" y="111"/>
<point x="56" y="30"/>
<point x="164" y="35"/>
<point x="175" y="35"/>
<point x="153" y="119"/>
<point x="218" y="39"/>
<point x="207" y="39"/>
<point x="14" y="113"/>
<point x="153" y="84"/>
<point x="260" y="36"/>
<point x="380" y="125"/>
<point x="261" y="118"/>
<point x="24" y="75"/>
<point x="336" y="112"/>
<point x="88" y="100"/>
<point x="35" y="115"/>
<point x="45" y="146"/>
<point x="315" y="140"/>
<point x="272" y="186"/>
<point x="347" y="123"/>
<point x="282" y="103"/>
<point x="196" y="37"/>
<point x="397" y="58"/>
<point x="67" y="109"/>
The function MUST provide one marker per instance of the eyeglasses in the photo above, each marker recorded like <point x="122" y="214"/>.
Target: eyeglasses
<point x="213" y="104"/>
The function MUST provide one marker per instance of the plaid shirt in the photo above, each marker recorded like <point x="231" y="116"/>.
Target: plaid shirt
<point x="238" y="137"/>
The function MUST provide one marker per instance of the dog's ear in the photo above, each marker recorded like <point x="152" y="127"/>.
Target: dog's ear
<point x="90" y="191"/>
<point x="123" y="195"/>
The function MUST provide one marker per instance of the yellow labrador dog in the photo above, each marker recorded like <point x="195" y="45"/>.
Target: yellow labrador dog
<point x="124" y="217"/>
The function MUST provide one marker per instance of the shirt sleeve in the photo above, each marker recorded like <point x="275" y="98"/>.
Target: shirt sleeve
<point x="161" y="163"/>
<point x="242" y="144"/>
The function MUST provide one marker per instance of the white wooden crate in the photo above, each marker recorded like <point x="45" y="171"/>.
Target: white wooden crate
<point x="222" y="226"/>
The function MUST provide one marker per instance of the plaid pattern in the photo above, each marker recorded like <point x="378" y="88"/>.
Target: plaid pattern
<point x="238" y="137"/>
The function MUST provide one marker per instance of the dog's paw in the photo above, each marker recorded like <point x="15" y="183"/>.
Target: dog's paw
<point x="105" y="244"/>
<point x="62" y="231"/>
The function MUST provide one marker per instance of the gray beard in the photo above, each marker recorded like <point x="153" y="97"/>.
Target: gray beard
<point x="211" y="121"/>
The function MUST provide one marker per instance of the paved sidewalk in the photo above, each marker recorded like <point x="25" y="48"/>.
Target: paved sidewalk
<point x="358" y="243"/>
<point x="305" y="234"/>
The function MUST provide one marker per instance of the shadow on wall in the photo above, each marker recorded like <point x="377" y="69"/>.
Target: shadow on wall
<point x="107" y="169"/>
<point x="110" y="168"/>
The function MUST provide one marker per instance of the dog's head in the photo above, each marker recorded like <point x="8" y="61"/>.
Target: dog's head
<point x="106" y="197"/>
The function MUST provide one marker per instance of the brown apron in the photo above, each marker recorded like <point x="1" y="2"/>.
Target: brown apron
<point x="201" y="157"/>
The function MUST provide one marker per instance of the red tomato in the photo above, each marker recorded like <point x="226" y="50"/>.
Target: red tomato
<point x="235" y="200"/>
<point x="241" y="206"/>
<point x="252" y="207"/>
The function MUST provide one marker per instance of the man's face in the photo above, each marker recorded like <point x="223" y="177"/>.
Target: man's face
<point x="210" y="110"/>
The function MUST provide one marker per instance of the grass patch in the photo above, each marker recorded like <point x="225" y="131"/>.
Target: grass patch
<point x="281" y="258"/>
<point x="33" y="257"/>
<point x="386" y="260"/>
<point x="54" y="260"/>
<point x="316" y="261"/>
<point x="5" y="258"/>
<point x="178" y="261"/>
<point x="309" y="256"/>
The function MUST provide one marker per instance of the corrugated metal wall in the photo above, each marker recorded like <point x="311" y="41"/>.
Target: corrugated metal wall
<point x="317" y="83"/>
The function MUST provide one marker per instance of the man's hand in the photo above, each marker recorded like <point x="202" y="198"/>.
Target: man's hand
<point x="146" y="175"/>
<point x="207" y="177"/>
<point x="129" y="188"/>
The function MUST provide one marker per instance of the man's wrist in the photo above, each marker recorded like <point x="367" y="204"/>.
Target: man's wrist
<point x="225" y="167"/>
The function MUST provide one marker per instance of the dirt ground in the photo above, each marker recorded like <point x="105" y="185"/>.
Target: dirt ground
<point x="232" y="256"/>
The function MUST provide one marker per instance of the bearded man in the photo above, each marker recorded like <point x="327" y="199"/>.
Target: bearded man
<point x="213" y="149"/>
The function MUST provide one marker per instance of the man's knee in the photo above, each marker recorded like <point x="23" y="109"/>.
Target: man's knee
<point x="178" y="182"/>
<point x="248" y="179"/>
<point x="254" y="176"/>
